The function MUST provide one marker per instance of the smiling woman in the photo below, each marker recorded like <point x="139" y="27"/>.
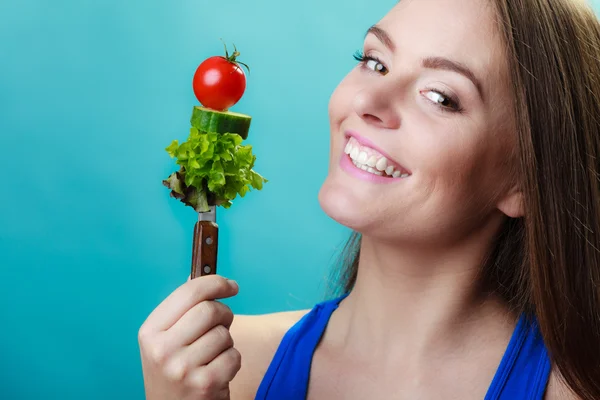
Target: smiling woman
<point x="464" y="156"/>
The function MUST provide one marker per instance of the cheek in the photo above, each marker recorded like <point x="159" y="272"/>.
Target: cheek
<point x="451" y="167"/>
<point x="339" y="109"/>
<point x="340" y="102"/>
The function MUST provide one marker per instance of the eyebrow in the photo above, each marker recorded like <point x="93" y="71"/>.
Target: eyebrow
<point x="382" y="35"/>
<point x="430" y="62"/>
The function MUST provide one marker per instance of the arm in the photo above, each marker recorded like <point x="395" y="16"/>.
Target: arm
<point x="257" y="338"/>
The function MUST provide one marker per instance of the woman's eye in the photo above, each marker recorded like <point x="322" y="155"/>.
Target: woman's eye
<point x="444" y="101"/>
<point x="370" y="62"/>
<point x="375" y="65"/>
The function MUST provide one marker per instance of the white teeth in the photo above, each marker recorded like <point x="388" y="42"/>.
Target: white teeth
<point x="365" y="167"/>
<point x="371" y="162"/>
<point x="348" y="148"/>
<point x="362" y="157"/>
<point x="381" y="164"/>
<point x="374" y="171"/>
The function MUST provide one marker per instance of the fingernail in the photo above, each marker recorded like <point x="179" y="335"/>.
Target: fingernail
<point x="233" y="284"/>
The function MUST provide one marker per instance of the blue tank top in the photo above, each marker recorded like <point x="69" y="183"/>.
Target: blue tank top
<point x="522" y="374"/>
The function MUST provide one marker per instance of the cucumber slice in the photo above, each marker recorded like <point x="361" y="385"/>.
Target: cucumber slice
<point x="208" y="120"/>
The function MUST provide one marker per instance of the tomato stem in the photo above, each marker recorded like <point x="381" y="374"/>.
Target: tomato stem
<point x="232" y="58"/>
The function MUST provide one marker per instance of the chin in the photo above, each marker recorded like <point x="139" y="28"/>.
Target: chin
<point x="343" y="205"/>
<point x="351" y="206"/>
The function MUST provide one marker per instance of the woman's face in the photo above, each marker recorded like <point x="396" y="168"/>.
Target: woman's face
<point x="427" y="120"/>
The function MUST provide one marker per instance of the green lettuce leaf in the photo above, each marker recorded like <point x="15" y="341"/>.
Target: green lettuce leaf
<point x="214" y="170"/>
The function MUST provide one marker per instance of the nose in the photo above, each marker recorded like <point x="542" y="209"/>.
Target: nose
<point x="374" y="105"/>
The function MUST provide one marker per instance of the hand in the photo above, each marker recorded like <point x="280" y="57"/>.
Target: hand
<point x="185" y="345"/>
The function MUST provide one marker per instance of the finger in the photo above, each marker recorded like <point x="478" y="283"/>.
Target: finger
<point x="204" y="350"/>
<point x="170" y="310"/>
<point x="200" y="353"/>
<point x="197" y="321"/>
<point x="218" y="373"/>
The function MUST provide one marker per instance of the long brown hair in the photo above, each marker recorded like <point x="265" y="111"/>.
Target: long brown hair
<point x="548" y="262"/>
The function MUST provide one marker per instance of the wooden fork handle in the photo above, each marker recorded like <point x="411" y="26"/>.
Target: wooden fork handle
<point x="204" y="252"/>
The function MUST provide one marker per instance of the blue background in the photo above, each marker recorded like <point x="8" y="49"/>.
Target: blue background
<point x="90" y="242"/>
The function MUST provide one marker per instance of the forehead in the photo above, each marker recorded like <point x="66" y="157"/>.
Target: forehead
<point x="465" y="31"/>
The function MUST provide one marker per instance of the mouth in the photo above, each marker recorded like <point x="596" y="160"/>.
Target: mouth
<point x="365" y="156"/>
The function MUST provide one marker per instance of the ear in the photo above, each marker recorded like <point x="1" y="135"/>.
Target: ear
<point x="511" y="203"/>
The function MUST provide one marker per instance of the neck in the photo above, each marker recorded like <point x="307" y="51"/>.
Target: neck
<point x="409" y="302"/>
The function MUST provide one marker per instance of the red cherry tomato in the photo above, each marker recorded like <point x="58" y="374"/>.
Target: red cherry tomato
<point x="220" y="82"/>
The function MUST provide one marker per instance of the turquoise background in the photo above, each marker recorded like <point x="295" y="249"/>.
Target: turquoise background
<point x="90" y="242"/>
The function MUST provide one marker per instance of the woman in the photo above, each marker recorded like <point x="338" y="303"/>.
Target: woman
<point x="464" y="150"/>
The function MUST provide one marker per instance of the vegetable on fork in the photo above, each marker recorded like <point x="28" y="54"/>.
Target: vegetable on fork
<point x="220" y="82"/>
<point x="214" y="165"/>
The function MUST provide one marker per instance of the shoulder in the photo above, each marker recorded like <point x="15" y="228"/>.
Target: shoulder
<point x="257" y="338"/>
<point x="557" y="389"/>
